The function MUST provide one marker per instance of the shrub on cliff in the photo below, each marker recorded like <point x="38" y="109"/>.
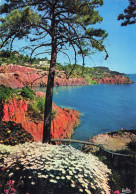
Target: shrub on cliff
<point x="12" y="133"/>
<point x="6" y="92"/>
<point x="90" y="81"/>
<point x="36" y="109"/>
<point x="27" y="93"/>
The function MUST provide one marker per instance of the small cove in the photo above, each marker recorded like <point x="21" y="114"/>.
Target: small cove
<point x="104" y="107"/>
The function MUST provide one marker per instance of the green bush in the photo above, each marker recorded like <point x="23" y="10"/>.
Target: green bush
<point x="36" y="108"/>
<point x="90" y="81"/>
<point x="53" y="113"/>
<point x="40" y="103"/>
<point x="6" y="92"/>
<point x="27" y="93"/>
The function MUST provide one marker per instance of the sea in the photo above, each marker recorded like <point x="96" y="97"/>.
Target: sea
<point x="103" y="107"/>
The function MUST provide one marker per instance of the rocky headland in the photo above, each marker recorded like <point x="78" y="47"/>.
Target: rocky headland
<point x="62" y="125"/>
<point x="17" y="76"/>
<point x="114" y="79"/>
<point x="118" y="151"/>
<point x="115" y="141"/>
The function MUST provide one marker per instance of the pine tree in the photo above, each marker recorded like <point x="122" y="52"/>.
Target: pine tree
<point x="129" y="15"/>
<point x="55" y="25"/>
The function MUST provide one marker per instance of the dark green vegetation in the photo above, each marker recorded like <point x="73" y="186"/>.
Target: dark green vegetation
<point x="36" y="109"/>
<point x="123" y="167"/>
<point x="94" y="72"/>
<point x="129" y="15"/>
<point x="12" y="133"/>
<point x="36" y="104"/>
<point x="27" y="93"/>
<point x="8" y="57"/>
<point x="6" y="93"/>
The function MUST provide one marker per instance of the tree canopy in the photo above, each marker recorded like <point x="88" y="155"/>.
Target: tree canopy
<point x="129" y="15"/>
<point x="56" y="26"/>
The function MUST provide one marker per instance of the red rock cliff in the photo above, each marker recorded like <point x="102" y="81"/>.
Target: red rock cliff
<point x="61" y="127"/>
<point x="17" y="76"/>
<point x="116" y="79"/>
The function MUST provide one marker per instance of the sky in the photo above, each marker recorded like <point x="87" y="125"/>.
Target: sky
<point x="121" y="40"/>
<point x="120" y="43"/>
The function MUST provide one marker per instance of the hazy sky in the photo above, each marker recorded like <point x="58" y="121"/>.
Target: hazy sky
<point x="120" y="43"/>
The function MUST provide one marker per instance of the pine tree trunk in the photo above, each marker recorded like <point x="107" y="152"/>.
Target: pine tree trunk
<point x="49" y="95"/>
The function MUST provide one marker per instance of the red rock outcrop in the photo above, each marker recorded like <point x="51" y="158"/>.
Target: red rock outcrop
<point x="116" y="79"/>
<point x="62" y="125"/>
<point x="17" y="76"/>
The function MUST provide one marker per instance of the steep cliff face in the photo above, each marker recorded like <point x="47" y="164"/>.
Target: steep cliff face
<point x="61" y="127"/>
<point x="116" y="79"/>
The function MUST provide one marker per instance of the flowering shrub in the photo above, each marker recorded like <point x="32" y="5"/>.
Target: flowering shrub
<point x="44" y="168"/>
<point x="12" y="133"/>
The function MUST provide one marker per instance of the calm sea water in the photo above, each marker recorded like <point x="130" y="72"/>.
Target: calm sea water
<point x="104" y="107"/>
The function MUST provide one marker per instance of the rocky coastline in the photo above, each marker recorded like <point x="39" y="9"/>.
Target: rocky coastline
<point x="17" y="76"/>
<point x="118" y="151"/>
<point x="62" y="125"/>
<point x="114" y="79"/>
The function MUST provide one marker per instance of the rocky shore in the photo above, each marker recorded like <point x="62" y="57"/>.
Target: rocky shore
<point x="115" y="141"/>
<point x="118" y="153"/>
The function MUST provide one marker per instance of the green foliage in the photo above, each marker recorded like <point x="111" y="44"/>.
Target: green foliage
<point x="129" y="15"/>
<point x="8" y="57"/>
<point x="27" y="93"/>
<point x="36" y="109"/>
<point x="88" y="73"/>
<point x="53" y="113"/>
<point x="15" y="18"/>
<point x="20" y="19"/>
<point x="90" y="81"/>
<point x="40" y="103"/>
<point x="12" y="133"/>
<point x="6" y="93"/>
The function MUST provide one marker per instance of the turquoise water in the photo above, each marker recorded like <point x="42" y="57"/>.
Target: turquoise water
<point x="104" y="107"/>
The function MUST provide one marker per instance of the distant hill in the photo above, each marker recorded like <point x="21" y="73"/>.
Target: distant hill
<point x="106" y="69"/>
